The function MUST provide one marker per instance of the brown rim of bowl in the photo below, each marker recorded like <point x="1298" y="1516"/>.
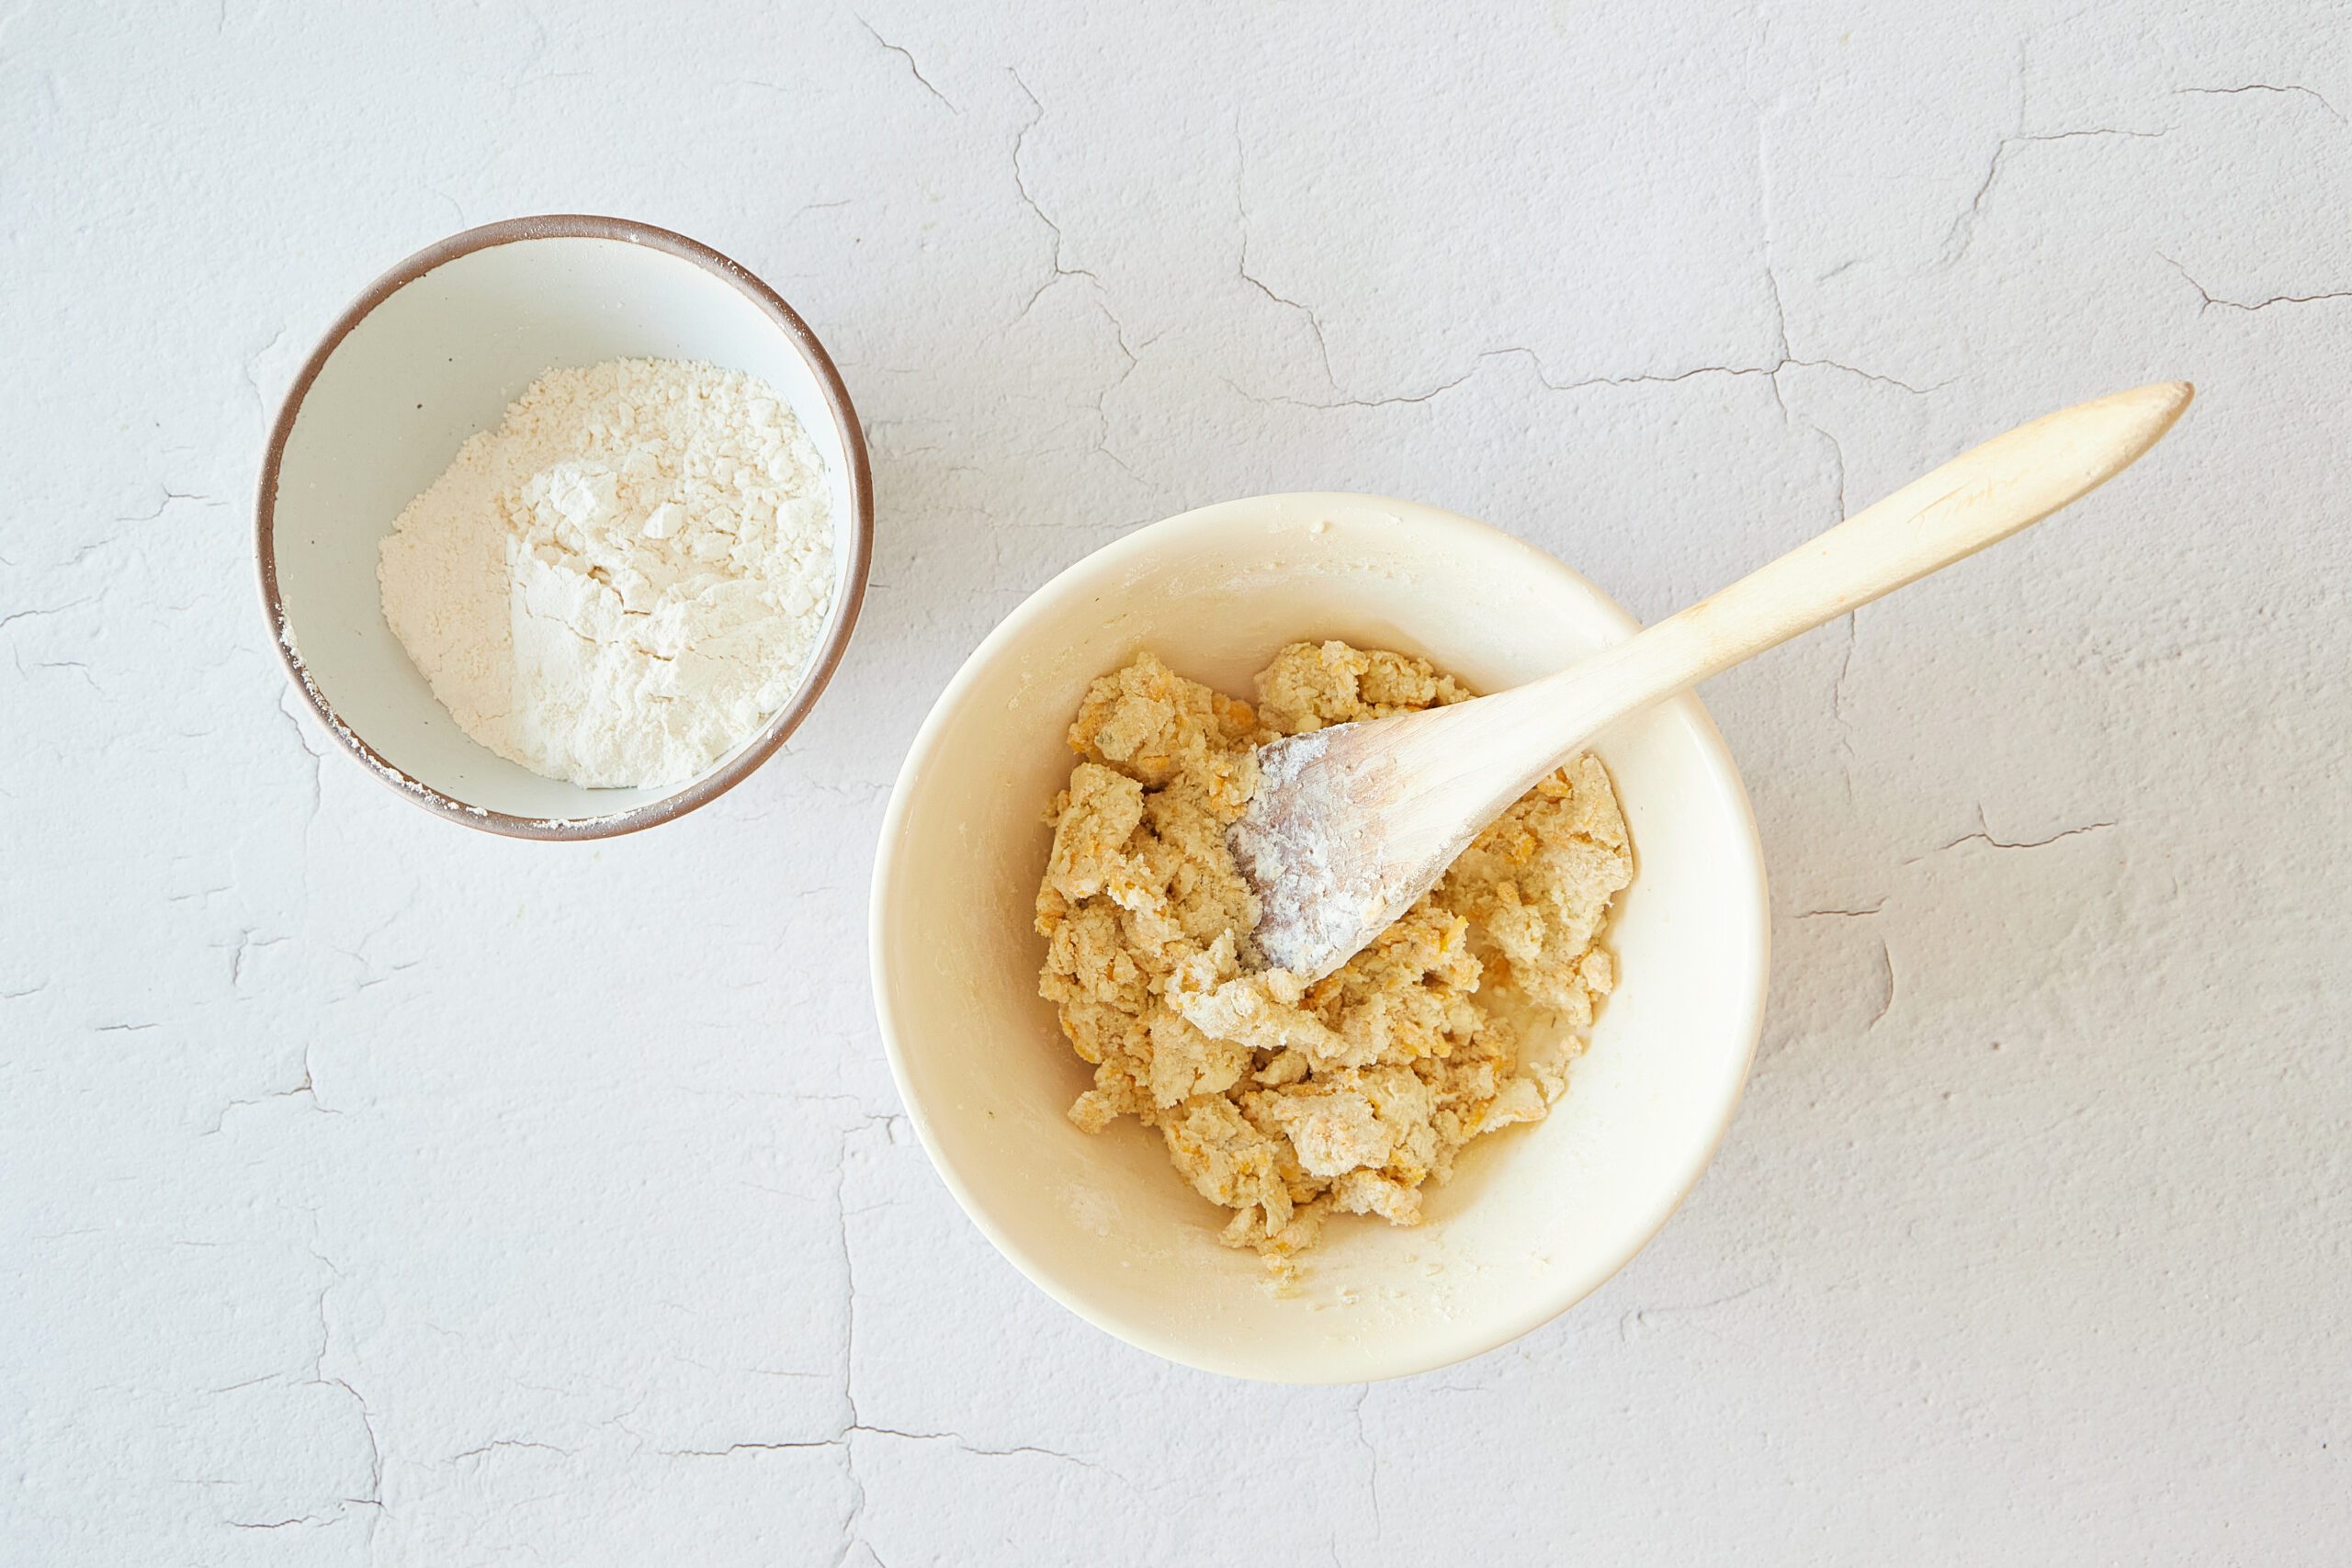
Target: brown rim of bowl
<point x="828" y="655"/>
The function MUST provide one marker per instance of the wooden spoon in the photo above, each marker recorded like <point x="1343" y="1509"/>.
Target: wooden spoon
<point x="1349" y="825"/>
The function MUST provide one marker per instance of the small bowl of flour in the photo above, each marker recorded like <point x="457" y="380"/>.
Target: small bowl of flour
<point x="564" y="526"/>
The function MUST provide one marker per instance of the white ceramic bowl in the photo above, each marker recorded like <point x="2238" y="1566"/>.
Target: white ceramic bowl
<point x="430" y="354"/>
<point x="1535" y="1217"/>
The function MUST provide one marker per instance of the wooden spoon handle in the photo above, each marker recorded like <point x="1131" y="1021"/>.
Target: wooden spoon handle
<point x="1979" y="498"/>
<point x="1363" y="819"/>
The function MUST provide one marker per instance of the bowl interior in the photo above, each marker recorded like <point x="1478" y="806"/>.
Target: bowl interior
<point x="1536" y="1216"/>
<point x="438" y="359"/>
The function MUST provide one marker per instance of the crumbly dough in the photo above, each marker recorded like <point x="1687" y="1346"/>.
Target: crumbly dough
<point x="1281" y="1102"/>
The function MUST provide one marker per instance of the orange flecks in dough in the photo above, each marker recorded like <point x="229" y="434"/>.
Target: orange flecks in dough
<point x="1286" y="1103"/>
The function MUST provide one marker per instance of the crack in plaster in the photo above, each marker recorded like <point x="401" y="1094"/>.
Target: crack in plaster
<point x="2260" y="88"/>
<point x="1837" y="456"/>
<point x="249" y="1382"/>
<point x="857" y="1499"/>
<point x="2209" y="300"/>
<point x="306" y="1087"/>
<point x="1842" y="914"/>
<point x="1021" y="184"/>
<point x="247" y="940"/>
<point x="170" y="495"/>
<point x="302" y="738"/>
<point x="1641" y="379"/>
<point x="42" y="611"/>
<point x="249" y="367"/>
<point x="357" y="953"/>
<point x="1886" y="1002"/>
<point x="1242" y="211"/>
<point x="1839" y="711"/>
<point x="74" y="664"/>
<point x="1641" y="1317"/>
<point x="1984" y="834"/>
<point x="756" y="1371"/>
<point x="842" y="1438"/>
<point x="374" y="1498"/>
<point x="1780" y="328"/>
<point x="907" y="56"/>
<point x="1102" y="418"/>
<point x="497" y="1443"/>
<point x="372" y="981"/>
<point x="1962" y="232"/>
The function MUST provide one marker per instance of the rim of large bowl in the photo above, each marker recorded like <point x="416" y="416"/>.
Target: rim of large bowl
<point x="1440" y="1351"/>
<point x="829" y="652"/>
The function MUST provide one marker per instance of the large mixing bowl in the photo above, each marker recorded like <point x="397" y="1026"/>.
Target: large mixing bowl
<point x="1536" y="1216"/>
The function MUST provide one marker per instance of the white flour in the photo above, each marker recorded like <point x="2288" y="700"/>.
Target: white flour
<point x="623" y="580"/>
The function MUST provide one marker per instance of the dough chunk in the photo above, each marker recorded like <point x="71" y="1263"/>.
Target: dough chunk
<point x="1283" y="1101"/>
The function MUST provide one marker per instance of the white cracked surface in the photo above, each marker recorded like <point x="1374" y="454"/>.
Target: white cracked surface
<point x="359" y="1208"/>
